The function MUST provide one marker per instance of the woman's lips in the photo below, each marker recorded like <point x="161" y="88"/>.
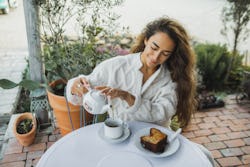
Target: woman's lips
<point x="153" y="62"/>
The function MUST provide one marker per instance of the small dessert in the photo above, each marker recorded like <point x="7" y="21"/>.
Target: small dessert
<point x="156" y="141"/>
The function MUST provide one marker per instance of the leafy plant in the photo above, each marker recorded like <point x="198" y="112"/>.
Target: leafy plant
<point x="63" y="57"/>
<point x="212" y="62"/>
<point x="24" y="126"/>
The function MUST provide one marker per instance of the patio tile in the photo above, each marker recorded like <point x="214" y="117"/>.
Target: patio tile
<point x="235" y="143"/>
<point x="49" y="144"/>
<point x="29" y="163"/>
<point x="14" y="164"/>
<point x="13" y="147"/>
<point x="243" y="115"/>
<point x="188" y="134"/>
<point x="228" y="111"/>
<point x="35" y="147"/>
<point x="230" y="152"/>
<point x="215" y="145"/>
<point x="211" y="119"/>
<point x="201" y="140"/>
<point x="227" y="117"/>
<point x="220" y="137"/>
<point x="53" y="138"/>
<point x="221" y="130"/>
<point x="191" y="127"/>
<point x="243" y="165"/>
<point x="200" y="114"/>
<point x="247" y="133"/>
<point x="229" y="161"/>
<point x="34" y="154"/>
<point x="196" y="120"/>
<point x="246" y="149"/>
<point x="246" y="159"/>
<point x="203" y="132"/>
<point x="216" y="154"/>
<point x="41" y="139"/>
<point x="241" y="121"/>
<point x="14" y="157"/>
<point x="239" y="127"/>
<point x="214" y="113"/>
<point x="236" y="135"/>
<point x="225" y="123"/>
<point x="247" y="140"/>
<point x="207" y="125"/>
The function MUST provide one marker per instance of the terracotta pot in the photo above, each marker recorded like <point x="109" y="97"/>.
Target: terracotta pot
<point x="59" y="106"/>
<point x="28" y="138"/>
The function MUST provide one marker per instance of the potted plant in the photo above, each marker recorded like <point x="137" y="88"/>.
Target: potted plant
<point x="24" y="128"/>
<point x="65" y="57"/>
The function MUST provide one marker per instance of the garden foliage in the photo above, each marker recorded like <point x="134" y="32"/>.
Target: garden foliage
<point x="66" y="56"/>
<point x="212" y="63"/>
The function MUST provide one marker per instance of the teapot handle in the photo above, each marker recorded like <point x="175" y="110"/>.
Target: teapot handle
<point x="88" y="87"/>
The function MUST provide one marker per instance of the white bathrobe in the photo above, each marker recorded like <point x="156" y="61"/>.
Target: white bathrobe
<point x="155" y="100"/>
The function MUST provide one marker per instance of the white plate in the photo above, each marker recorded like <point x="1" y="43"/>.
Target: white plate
<point x="124" y="159"/>
<point x="125" y="135"/>
<point x="170" y="149"/>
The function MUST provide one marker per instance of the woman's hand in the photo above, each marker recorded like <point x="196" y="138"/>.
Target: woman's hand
<point x="80" y="86"/>
<point x="117" y="93"/>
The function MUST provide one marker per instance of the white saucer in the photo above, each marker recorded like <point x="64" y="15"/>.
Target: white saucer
<point x="123" y="159"/>
<point x="125" y="135"/>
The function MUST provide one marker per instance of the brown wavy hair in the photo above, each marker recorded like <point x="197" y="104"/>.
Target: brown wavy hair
<point x="181" y="64"/>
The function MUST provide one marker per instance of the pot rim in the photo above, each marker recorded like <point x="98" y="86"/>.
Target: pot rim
<point x="26" y="115"/>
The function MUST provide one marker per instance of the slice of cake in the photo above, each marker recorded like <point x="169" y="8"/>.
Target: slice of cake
<point x="156" y="141"/>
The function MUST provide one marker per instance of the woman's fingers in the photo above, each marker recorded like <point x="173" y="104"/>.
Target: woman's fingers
<point x="78" y="87"/>
<point x="114" y="93"/>
<point x="104" y="89"/>
<point x="108" y="91"/>
<point x="100" y="87"/>
<point x="84" y="82"/>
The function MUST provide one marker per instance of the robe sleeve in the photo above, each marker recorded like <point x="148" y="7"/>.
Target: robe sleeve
<point x="158" y="109"/>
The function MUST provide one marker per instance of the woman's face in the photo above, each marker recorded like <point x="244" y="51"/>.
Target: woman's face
<point x="158" y="49"/>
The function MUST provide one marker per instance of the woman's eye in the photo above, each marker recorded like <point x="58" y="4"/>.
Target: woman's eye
<point x="153" y="48"/>
<point x="166" y="54"/>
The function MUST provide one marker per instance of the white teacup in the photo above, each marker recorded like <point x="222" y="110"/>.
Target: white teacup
<point x="114" y="128"/>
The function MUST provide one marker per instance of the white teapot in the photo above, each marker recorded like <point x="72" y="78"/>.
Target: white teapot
<point x="95" y="103"/>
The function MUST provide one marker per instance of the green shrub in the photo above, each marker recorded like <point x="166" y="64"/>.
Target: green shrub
<point x="212" y="62"/>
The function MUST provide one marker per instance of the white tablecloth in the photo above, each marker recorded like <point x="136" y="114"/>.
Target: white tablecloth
<point x="85" y="148"/>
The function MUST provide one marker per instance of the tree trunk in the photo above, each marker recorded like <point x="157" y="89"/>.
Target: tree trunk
<point x="235" y="45"/>
<point x="36" y="67"/>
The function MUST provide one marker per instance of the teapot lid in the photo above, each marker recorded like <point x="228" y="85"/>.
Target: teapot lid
<point x="98" y="96"/>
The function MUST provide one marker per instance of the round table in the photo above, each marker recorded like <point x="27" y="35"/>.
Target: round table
<point x="85" y="148"/>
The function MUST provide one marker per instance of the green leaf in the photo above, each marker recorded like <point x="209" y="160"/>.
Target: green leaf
<point x="7" y="84"/>
<point x="30" y="84"/>
<point x="27" y="84"/>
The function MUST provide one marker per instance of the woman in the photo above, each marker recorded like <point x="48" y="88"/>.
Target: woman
<point x="153" y="83"/>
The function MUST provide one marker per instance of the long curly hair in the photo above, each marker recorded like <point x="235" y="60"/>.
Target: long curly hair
<point x="181" y="64"/>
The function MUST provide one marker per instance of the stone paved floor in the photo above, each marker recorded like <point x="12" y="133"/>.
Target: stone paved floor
<point x="224" y="131"/>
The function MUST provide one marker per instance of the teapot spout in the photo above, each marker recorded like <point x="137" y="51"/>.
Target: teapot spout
<point x="105" y="108"/>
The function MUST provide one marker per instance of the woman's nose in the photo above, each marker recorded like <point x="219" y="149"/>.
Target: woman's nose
<point x="156" y="55"/>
